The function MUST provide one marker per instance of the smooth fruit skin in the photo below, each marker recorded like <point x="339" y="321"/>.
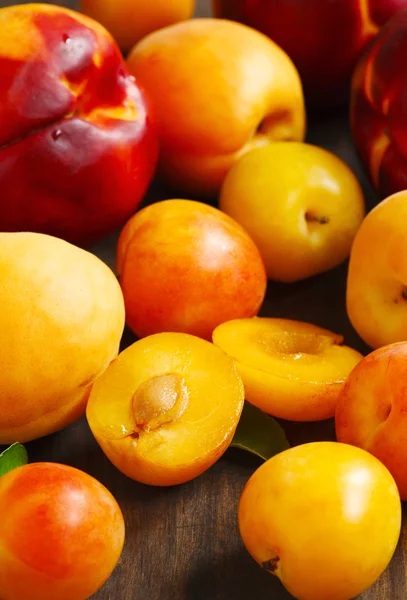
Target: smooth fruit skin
<point x="291" y="370"/>
<point x="167" y="408"/>
<point x="301" y="205"/>
<point x="78" y="147"/>
<point x="323" y="38"/>
<point x="227" y="89"/>
<point x="324" y="517"/>
<point x="131" y="20"/>
<point x="61" y="321"/>
<point x="61" y="533"/>
<point x="376" y="295"/>
<point x="379" y="108"/>
<point x="371" y="411"/>
<point x="186" y="267"/>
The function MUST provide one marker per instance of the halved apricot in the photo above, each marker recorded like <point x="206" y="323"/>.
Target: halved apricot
<point x="167" y="408"/>
<point x="290" y="370"/>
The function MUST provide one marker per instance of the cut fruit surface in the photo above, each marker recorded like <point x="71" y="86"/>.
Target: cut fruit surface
<point x="291" y="370"/>
<point x="167" y="408"/>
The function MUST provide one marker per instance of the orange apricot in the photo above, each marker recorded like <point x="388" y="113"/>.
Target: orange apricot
<point x="185" y="266"/>
<point x="323" y="517"/>
<point x="61" y="321"/>
<point x="61" y="533"/>
<point x="167" y="408"/>
<point x="131" y="20"/>
<point x="290" y="370"/>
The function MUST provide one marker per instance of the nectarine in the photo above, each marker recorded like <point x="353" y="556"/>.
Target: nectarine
<point x="323" y="37"/>
<point x="61" y="321"/>
<point x="219" y="88"/>
<point x="167" y="408"/>
<point x="78" y="147"/>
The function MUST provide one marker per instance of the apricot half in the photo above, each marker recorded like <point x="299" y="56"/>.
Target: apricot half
<point x="167" y="408"/>
<point x="290" y="370"/>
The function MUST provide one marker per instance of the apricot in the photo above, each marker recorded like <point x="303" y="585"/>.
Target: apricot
<point x="372" y="407"/>
<point x="185" y="266"/>
<point x="131" y="20"/>
<point x="376" y="295"/>
<point x="301" y="205"/>
<point x="61" y="533"/>
<point x="323" y="517"/>
<point x="167" y="408"/>
<point x="290" y="370"/>
<point x="219" y="89"/>
<point x="61" y="321"/>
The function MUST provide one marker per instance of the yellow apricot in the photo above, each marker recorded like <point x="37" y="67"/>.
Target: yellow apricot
<point x="323" y="517"/>
<point x="290" y="370"/>
<point x="167" y="408"/>
<point x="61" y="321"/>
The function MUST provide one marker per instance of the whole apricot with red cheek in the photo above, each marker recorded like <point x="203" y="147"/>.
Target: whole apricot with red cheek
<point x="77" y="144"/>
<point x="186" y="267"/>
<point x="372" y="407"/>
<point x="324" y="518"/>
<point x="61" y="533"/>
<point x="379" y="108"/>
<point x="324" y="38"/>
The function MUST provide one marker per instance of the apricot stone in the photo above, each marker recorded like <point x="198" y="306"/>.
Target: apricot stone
<point x="167" y="408"/>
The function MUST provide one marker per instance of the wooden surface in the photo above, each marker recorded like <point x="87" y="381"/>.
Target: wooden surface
<point x="183" y="543"/>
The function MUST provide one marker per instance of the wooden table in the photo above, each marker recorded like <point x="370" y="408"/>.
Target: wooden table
<point x="183" y="542"/>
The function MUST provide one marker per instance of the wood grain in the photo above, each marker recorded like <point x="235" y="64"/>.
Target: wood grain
<point x="183" y="543"/>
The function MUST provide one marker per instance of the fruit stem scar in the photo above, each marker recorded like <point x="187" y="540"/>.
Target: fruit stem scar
<point x="159" y="401"/>
<point x="271" y="565"/>
<point x="311" y="218"/>
<point x="404" y="293"/>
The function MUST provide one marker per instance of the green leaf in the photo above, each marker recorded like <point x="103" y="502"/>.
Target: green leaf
<point x="259" y="434"/>
<point x="13" y="457"/>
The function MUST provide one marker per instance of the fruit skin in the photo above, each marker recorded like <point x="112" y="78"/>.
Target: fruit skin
<point x="324" y="517"/>
<point x="61" y="321"/>
<point x="63" y="534"/>
<point x="166" y="442"/>
<point x="376" y="288"/>
<point x="379" y="108"/>
<point x="131" y="20"/>
<point x="301" y="205"/>
<point x="185" y="266"/>
<point x="371" y="411"/>
<point x="291" y="370"/>
<point x="324" y="39"/>
<point x="229" y="89"/>
<point x="78" y="147"/>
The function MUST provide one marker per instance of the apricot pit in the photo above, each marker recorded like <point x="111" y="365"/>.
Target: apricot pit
<point x="167" y="408"/>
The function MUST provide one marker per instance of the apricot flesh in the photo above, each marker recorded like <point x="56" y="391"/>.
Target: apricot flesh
<point x="323" y="517"/>
<point x="291" y="370"/>
<point x="61" y="533"/>
<point x="61" y="321"/>
<point x="167" y="408"/>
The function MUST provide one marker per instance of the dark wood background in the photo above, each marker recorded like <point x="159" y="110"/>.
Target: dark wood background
<point x="183" y="542"/>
